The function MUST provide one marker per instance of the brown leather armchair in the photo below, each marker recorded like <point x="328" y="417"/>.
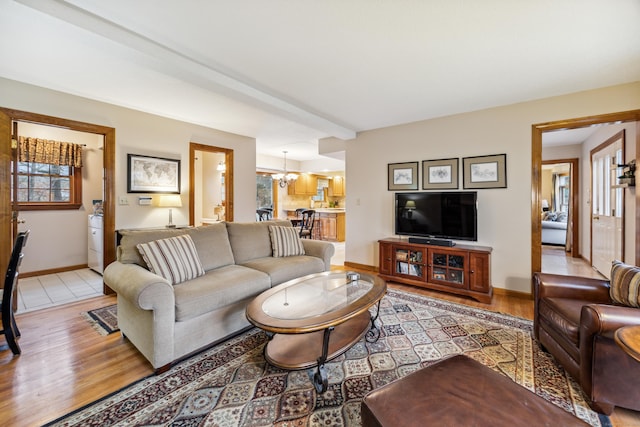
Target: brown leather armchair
<point x="575" y="320"/>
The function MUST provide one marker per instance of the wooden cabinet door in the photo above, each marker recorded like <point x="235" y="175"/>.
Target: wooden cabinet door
<point x="305" y="185"/>
<point x="479" y="272"/>
<point x="337" y="186"/>
<point x="449" y="267"/>
<point x="385" y="263"/>
<point x="329" y="226"/>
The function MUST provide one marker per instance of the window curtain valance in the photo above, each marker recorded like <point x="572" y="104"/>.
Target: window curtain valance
<point x="57" y="153"/>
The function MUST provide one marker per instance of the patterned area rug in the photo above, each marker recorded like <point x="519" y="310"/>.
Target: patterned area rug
<point x="232" y="385"/>
<point x="104" y="320"/>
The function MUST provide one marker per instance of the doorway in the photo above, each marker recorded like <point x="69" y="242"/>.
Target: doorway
<point x="560" y="200"/>
<point x="211" y="184"/>
<point x="536" y="172"/>
<point x="7" y="142"/>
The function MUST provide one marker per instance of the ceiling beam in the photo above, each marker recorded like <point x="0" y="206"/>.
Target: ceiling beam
<point x="189" y="69"/>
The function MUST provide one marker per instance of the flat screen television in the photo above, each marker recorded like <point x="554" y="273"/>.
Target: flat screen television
<point x="441" y="215"/>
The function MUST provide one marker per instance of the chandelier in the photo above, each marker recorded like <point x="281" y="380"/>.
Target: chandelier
<point x="284" y="178"/>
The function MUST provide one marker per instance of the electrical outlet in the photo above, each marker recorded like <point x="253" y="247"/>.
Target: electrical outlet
<point x="123" y="200"/>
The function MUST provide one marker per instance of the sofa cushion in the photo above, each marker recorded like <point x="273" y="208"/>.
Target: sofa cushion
<point x="284" y="269"/>
<point x="217" y="288"/>
<point x="212" y="244"/>
<point x="285" y="241"/>
<point x="175" y="258"/>
<point x="625" y="284"/>
<point x="251" y="240"/>
<point x="128" y="252"/>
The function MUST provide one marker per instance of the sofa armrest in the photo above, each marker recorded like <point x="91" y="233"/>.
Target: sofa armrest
<point x="605" y="320"/>
<point x="573" y="287"/>
<point x="141" y="287"/>
<point x="598" y="324"/>
<point x="320" y="249"/>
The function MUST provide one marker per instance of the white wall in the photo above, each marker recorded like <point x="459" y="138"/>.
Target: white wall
<point x="504" y="221"/>
<point x="139" y="133"/>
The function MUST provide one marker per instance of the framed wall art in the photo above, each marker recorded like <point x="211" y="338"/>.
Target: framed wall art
<point x="402" y="176"/>
<point x="485" y="171"/>
<point x="147" y="174"/>
<point x="440" y="174"/>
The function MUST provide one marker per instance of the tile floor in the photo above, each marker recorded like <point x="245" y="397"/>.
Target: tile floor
<point x="38" y="292"/>
<point x="50" y="290"/>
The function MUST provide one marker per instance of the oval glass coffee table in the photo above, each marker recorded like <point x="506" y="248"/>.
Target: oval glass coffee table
<point x="316" y="318"/>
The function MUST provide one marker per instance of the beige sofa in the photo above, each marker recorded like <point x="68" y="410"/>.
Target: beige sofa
<point x="167" y="322"/>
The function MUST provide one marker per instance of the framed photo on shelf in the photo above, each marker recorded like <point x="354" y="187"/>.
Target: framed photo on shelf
<point x="402" y="176"/>
<point x="485" y="171"/>
<point x="440" y="174"/>
<point x="146" y="174"/>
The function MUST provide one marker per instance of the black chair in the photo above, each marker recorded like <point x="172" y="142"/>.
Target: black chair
<point x="263" y="214"/>
<point x="9" y="326"/>
<point x="306" y="223"/>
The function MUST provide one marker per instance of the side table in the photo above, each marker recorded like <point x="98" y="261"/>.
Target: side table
<point x="628" y="338"/>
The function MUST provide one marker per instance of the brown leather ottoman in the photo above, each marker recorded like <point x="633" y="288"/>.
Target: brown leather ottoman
<point x="460" y="392"/>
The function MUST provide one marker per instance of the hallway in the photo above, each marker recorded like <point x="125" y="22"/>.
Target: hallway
<point x="556" y="260"/>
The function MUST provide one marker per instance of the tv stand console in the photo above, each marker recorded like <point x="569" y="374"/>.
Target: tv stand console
<point x="460" y="269"/>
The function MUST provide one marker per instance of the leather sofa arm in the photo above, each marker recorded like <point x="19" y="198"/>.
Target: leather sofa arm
<point x="572" y="287"/>
<point x="598" y="324"/>
<point x="605" y="320"/>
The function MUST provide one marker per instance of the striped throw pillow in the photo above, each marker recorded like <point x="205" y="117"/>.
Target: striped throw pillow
<point x="285" y="241"/>
<point x="174" y="258"/>
<point x="625" y="284"/>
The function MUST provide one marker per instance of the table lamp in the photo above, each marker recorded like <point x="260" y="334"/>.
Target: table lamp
<point x="170" y="201"/>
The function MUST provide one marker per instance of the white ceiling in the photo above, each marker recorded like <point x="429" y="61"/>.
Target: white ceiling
<point x="291" y="72"/>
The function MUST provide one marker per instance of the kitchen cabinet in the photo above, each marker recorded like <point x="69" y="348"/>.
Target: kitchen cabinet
<point x="337" y="187"/>
<point x="305" y="185"/>
<point x="332" y="225"/>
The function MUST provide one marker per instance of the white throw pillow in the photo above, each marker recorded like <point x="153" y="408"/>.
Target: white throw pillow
<point x="285" y="241"/>
<point x="174" y="258"/>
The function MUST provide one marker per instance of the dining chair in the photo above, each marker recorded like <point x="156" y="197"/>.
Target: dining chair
<point x="9" y="327"/>
<point x="306" y="223"/>
<point x="263" y="214"/>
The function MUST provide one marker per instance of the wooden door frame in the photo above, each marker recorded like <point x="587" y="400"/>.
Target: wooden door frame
<point x="536" y="172"/>
<point x="575" y="202"/>
<point x="108" y="161"/>
<point x="228" y="180"/>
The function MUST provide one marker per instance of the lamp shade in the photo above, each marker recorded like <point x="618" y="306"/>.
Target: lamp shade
<point x="545" y="203"/>
<point x="170" y="201"/>
<point x="411" y="204"/>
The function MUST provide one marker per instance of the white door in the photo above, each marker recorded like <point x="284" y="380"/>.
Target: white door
<point x="607" y="201"/>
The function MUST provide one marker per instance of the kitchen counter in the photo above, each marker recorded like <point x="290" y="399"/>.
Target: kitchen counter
<point x="330" y="220"/>
<point x="330" y="210"/>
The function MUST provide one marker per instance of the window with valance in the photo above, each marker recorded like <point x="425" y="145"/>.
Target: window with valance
<point x="49" y="174"/>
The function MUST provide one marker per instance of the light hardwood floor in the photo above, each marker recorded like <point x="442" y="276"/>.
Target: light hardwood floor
<point x="65" y="364"/>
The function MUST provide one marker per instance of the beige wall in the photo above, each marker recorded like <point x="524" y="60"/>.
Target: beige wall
<point x="504" y="221"/>
<point x="139" y="133"/>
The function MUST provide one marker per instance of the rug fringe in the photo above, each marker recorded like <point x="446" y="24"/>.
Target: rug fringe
<point x="94" y="324"/>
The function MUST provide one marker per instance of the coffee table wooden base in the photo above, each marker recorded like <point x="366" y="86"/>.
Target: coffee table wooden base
<point x="301" y="351"/>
